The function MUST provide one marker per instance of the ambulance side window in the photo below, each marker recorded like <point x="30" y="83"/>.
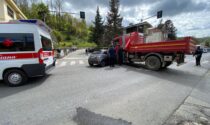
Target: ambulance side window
<point x="46" y="44"/>
<point x="16" y="42"/>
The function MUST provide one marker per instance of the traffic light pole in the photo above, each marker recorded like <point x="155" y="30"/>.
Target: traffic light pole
<point x="159" y="15"/>
<point x="82" y="14"/>
<point x="148" y="18"/>
<point x="64" y="12"/>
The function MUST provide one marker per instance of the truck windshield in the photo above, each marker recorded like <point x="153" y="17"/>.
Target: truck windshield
<point x="46" y="44"/>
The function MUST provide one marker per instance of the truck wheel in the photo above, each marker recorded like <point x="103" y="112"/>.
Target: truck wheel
<point x="153" y="63"/>
<point x="15" y="77"/>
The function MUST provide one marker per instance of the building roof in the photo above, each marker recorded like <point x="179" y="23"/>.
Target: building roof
<point x="139" y="24"/>
<point x="16" y="8"/>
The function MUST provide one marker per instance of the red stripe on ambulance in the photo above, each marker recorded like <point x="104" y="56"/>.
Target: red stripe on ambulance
<point x="18" y="56"/>
<point x="47" y="54"/>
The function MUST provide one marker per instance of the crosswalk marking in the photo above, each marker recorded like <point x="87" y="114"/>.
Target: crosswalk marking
<point x="63" y="64"/>
<point x="81" y="62"/>
<point x="72" y="63"/>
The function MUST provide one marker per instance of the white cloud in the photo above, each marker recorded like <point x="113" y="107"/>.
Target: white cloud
<point x="191" y="17"/>
<point x="193" y="24"/>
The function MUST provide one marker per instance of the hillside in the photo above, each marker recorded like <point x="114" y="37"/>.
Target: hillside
<point x="204" y="41"/>
<point x="68" y="30"/>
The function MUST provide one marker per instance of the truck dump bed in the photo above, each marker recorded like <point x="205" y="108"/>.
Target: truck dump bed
<point x="185" y="45"/>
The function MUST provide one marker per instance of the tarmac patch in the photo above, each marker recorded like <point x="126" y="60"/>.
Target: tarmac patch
<point x="86" y="117"/>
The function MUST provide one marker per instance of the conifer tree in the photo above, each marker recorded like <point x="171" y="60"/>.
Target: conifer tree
<point x="114" y="21"/>
<point x="98" y="29"/>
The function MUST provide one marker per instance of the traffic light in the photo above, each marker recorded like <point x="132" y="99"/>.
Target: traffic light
<point x="159" y="14"/>
<point x="82" y="15"/>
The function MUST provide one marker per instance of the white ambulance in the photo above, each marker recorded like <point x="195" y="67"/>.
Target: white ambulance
<point x="26" y="50"/>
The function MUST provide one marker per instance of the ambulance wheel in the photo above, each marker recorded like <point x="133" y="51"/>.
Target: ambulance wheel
<point x="153" y="63"/>
<point x="15" y="77"/>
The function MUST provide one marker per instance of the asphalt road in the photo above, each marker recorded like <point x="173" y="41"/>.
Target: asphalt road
<point x="122" y="95"/>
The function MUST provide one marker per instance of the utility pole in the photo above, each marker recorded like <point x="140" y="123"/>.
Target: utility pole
<point x="82" y="13"/>
<point x="142" y="14"/>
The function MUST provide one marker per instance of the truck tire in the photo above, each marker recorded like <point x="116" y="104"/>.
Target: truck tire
<point x="15" y="77"/>
<point x="153" y="63"/>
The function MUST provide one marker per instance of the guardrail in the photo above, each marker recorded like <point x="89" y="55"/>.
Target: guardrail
<point x="62" y="52"/>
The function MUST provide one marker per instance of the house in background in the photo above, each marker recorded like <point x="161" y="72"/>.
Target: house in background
<point x="139" y="27"/>
<point x="10" y="11"/>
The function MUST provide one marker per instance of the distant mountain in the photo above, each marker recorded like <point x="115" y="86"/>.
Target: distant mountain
<point x="204" y="39"/>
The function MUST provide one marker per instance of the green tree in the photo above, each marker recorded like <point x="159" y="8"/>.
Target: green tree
<point x="170" y="29"/>
<point x="114" y="21"/>
<point x="207" y="43"/>
<point x="98" y="29"/>
<point x="90" y="33"/>
<point x="24" y="6"/>
<point x="66" y="29"/>
<point x="58" y="35"/>
<point x="38" y="11"/>
<point x="42" y="11"/>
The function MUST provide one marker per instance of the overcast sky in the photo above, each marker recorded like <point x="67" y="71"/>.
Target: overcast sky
<point x="191" y="17"/>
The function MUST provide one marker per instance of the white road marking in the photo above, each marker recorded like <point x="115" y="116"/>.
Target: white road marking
<point x="192" y="61"/>
<point x="81" y="62"/>
<point x="72" y="63"/>
<point x="63" y="64"/>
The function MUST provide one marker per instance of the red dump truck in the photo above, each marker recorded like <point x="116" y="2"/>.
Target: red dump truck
<point x="156" y="55"/>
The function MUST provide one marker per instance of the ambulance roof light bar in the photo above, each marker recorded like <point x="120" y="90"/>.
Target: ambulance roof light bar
<point x="33" y="21"/>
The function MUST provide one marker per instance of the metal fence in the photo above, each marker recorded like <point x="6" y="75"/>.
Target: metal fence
<point x="62" y="52"/>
